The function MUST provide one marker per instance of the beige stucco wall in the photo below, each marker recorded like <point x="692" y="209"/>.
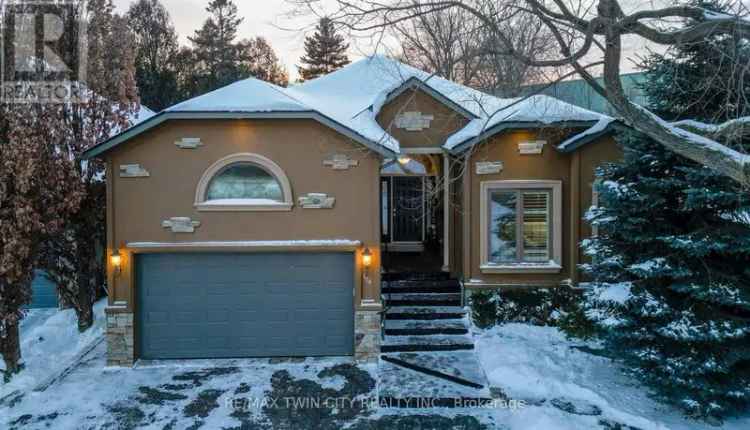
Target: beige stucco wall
<point x="574" y="170"/>
<point x="446" y="122"/>
<point x="137" y="206"/>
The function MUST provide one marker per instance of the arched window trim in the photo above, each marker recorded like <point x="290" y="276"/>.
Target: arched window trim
<point x="272" y="168"/>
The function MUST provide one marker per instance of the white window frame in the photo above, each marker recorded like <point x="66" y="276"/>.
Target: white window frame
<point x="201" y="204"/>
<point x="555" y="189"/>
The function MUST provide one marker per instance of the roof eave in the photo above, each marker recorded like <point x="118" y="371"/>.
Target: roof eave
<point x="161" y="117"/>
<point x="517" y="125"/>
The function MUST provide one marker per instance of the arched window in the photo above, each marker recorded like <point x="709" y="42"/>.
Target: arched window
<point x="244" y="182"/>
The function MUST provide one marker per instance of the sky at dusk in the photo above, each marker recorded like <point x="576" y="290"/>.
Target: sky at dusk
<point x="270" y="19"/>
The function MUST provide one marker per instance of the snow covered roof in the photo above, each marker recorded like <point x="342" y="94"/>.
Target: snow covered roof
<point x="350" y="99"/>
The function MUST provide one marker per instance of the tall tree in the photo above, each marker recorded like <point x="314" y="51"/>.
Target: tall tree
<point x="325" y="51"/>
<point x="258" y="59"/>
<point x="156" y="49"/>
<point x="74" y="258"/>
<point x="214" y="48"/>
<point x="38" y="190"/>
<point x="673" y="246"/>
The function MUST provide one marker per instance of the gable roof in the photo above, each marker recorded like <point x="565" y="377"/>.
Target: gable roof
<point x="349" y="99"/>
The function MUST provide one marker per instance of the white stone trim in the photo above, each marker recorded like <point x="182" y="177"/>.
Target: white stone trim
<point x="322" y="243"/>
<point x="520" y="268"/>
<point x="557" y="228"/>
<point x="245" y="157"/>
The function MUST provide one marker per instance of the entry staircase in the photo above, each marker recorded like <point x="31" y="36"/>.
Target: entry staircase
<point x="428" y="357"/>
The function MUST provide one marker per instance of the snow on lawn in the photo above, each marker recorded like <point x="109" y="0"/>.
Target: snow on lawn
<point x="50" y="341"/>
<point x="539" y="363"/>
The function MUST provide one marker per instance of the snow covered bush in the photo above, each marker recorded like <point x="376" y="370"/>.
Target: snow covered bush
<point x="670" y="287"/>
<point x="542" y="307"/>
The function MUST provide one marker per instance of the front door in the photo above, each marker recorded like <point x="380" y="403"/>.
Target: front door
<point x="404" y="212"/>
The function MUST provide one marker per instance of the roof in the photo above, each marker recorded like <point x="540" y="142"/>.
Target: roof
<point x="350" y="98"/>
<point x="578" y="92"/>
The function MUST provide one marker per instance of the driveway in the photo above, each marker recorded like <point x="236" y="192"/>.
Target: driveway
<point x="219" y="394"/>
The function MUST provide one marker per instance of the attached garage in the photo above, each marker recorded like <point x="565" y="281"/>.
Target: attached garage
<point x="231" y="305"/>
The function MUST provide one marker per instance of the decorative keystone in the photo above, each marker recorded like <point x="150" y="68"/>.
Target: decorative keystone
<point x="133" y="171"/>
<point x="531" y="148"/>
<point x="181" y="225"/>
<point x="489" y="167"/>
<point x="414" y="121"/>
<point x="189" y="143"/>
<point x="316" y="201"/>
<point x="341" y="162"/>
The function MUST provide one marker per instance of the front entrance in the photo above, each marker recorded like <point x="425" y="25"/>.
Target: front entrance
<point x="411" y="214"/>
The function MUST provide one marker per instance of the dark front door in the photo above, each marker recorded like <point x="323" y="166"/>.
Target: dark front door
<point x="226" y="305"/>
<point x="408" y="209"/>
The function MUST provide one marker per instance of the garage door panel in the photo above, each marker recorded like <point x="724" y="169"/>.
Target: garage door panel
<point x="221" y="305"/>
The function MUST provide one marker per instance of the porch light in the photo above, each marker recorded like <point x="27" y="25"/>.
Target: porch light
<point x="404" y="160"/>
<point x="116" y="261"/>
<point x="367" y="257"/>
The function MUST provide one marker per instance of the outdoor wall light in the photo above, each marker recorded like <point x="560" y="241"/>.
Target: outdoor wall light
<point x="116" y="260"/>
<point x="367" y="258"/>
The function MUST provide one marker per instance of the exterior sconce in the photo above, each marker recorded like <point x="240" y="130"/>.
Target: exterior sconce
<point x="367" y="258"/>
<point x="366" y="263"/>
<point x="116" y="260"/>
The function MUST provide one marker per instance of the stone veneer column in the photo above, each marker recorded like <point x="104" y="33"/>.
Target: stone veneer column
<point x="366" y="335"/>
<point x="120" y="351"/>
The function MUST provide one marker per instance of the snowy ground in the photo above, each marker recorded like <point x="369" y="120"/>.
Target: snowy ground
<point x="561" y="386"/>
<point x="50" y="341"/>
<point x="542" y="367"/>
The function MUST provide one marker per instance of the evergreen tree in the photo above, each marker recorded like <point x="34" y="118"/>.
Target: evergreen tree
<point x="156" y="50"/>
<point x="214" y="48"/>
<point x="671" y="279"/>
<point x="325" y="52"/>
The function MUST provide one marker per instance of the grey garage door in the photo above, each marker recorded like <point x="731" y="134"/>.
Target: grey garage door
<point x="217" y="305"/>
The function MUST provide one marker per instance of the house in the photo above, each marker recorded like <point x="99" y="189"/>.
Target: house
<point x="256" y="220"/>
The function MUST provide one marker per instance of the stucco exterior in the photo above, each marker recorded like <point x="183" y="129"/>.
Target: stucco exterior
<point x="446" y="121"/>
<point x="138" y="206"/>
<point x="574" y="170"/>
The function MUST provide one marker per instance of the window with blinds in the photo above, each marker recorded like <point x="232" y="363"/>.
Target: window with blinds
<point x="536" y="226"/>
<point x="519" y="226"/>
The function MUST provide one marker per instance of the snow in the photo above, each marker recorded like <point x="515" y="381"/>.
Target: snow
<point x="354" y="95"/>
<point x="50" y="341"/>
<point x="533" y="363"/>
<point x="250" y="244"/>
<point x="248" y="95"/>
<point x="740" y="158"/>
<point x="599" y="127"/>
<point x="243" y="202"/>
<point x="618" y="293"/>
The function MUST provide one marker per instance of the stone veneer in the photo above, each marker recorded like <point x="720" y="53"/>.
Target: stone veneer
<point x="367" y="336"/>
<point x="120" y="351"/>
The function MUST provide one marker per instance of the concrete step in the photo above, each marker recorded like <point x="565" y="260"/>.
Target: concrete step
<point x="415" y="276"/>
<point x="400" y="387"/>
<point x="423" y="299"/>
<point x="425" y="327"/>
<point x="454" y="364"/>
<point x="422" y="287"/>
<point x="438" y="342"/>
<point x="425" y="313"/>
